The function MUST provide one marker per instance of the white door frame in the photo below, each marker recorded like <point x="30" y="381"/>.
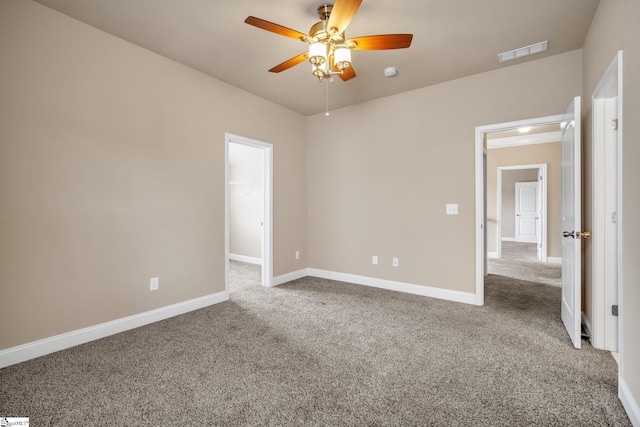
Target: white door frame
<point x="610" y="86"/>
<point x="542" y="172"/>
<point x="267" y="229"/>
<point x="480" y="132"/>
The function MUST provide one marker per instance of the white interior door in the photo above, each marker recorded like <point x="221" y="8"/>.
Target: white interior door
<point x="571" y="222"/>
<point x="527" y="212"/>
<point x="539" y="221"/>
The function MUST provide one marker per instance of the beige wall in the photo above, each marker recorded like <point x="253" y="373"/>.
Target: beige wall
<point x="112" y="171"/>
<point x="245" y="200"/>
<point x="550" y="154"/>
<point x="381" y="173"/>
<point x="617" y="26"/>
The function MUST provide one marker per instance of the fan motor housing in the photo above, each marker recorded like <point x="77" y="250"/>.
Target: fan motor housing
<point x="319" y="32"/>
<point x="324" y="11"/>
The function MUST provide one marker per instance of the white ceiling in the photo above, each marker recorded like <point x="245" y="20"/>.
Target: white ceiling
<point x="452" y="39"/>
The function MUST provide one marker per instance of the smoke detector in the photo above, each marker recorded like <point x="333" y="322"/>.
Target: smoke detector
<point x="390" y="71"/>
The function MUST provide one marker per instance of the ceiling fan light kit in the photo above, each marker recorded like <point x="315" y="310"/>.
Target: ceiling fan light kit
<point x="329" y="52"/>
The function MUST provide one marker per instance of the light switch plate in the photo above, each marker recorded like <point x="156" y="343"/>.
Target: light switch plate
<point x="452" y="209"/>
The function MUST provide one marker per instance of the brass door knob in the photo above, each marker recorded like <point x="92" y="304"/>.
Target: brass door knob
<point x="585" y="234"/>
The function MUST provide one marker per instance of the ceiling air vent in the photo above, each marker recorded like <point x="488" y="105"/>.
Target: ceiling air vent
<point x="523" y="51"/>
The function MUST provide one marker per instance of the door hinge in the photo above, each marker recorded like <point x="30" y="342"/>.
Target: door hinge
<point x="614" y="217"/>
<point x="614" y="124"/>
<point x="614" y="310"/>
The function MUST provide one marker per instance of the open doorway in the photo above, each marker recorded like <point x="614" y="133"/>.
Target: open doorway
<point x="524" y="191"/>
<point x="510" y="145"/>
<point x="521" y="213"/>
<point x="523" y="221"/>
<point x="248" y="213"/>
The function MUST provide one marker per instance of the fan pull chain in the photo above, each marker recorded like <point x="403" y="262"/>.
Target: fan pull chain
<point x="327" y="112"/>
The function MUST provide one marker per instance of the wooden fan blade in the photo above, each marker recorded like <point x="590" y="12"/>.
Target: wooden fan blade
<point x="342" y="14"/>
<point x="290" y="63"/>
<point x="381" y="42"/>
<point x="275" y="28"/>
<point x="348" y="74"/>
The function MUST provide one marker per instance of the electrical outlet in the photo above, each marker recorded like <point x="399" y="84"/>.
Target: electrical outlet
<point x="396" y="262"/>
<point x="374" y="260"/>
<point x="297" y="254"/>
<point x="452" y="209"/>
<point x="153" y="283"/>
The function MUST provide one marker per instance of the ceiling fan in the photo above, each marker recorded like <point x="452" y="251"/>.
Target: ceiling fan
<point x="329" y="51"/>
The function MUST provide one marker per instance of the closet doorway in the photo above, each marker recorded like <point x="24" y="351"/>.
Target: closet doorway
<point x="249" y="205"/>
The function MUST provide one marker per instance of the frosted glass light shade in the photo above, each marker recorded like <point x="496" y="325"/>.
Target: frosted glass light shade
<point x="317" y="53"/>
<point x="342" y="58"/>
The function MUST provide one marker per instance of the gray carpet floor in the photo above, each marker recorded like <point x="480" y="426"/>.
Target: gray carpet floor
<point x="243" y="276"/>
<point x="519" y="261"/>
<point x="315" y="352"/>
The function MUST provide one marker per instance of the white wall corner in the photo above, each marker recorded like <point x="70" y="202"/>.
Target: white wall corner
<point x="630" y="404"/>
<point x="554" y="260"/>
<point x="244" y="258"/>
<point x="24" y="352"/>
<point x="492" y="255"/>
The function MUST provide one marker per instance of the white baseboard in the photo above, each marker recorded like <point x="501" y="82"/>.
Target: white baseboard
<point x="630" y="404"/>
<point x="508" y="239"/>
<point x="554" y="260"/>
<point x="492" y="255"/>
<point x="24" y="352"/>
<point x="290" y="277"/>
<point x="427" y="291"/>
<point x="244" y="258"/>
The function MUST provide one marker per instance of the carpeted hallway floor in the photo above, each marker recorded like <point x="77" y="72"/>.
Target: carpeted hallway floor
<point x="519" y="261"/>
<point x="243" y="276"/>
<point x="315" y="352"/>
